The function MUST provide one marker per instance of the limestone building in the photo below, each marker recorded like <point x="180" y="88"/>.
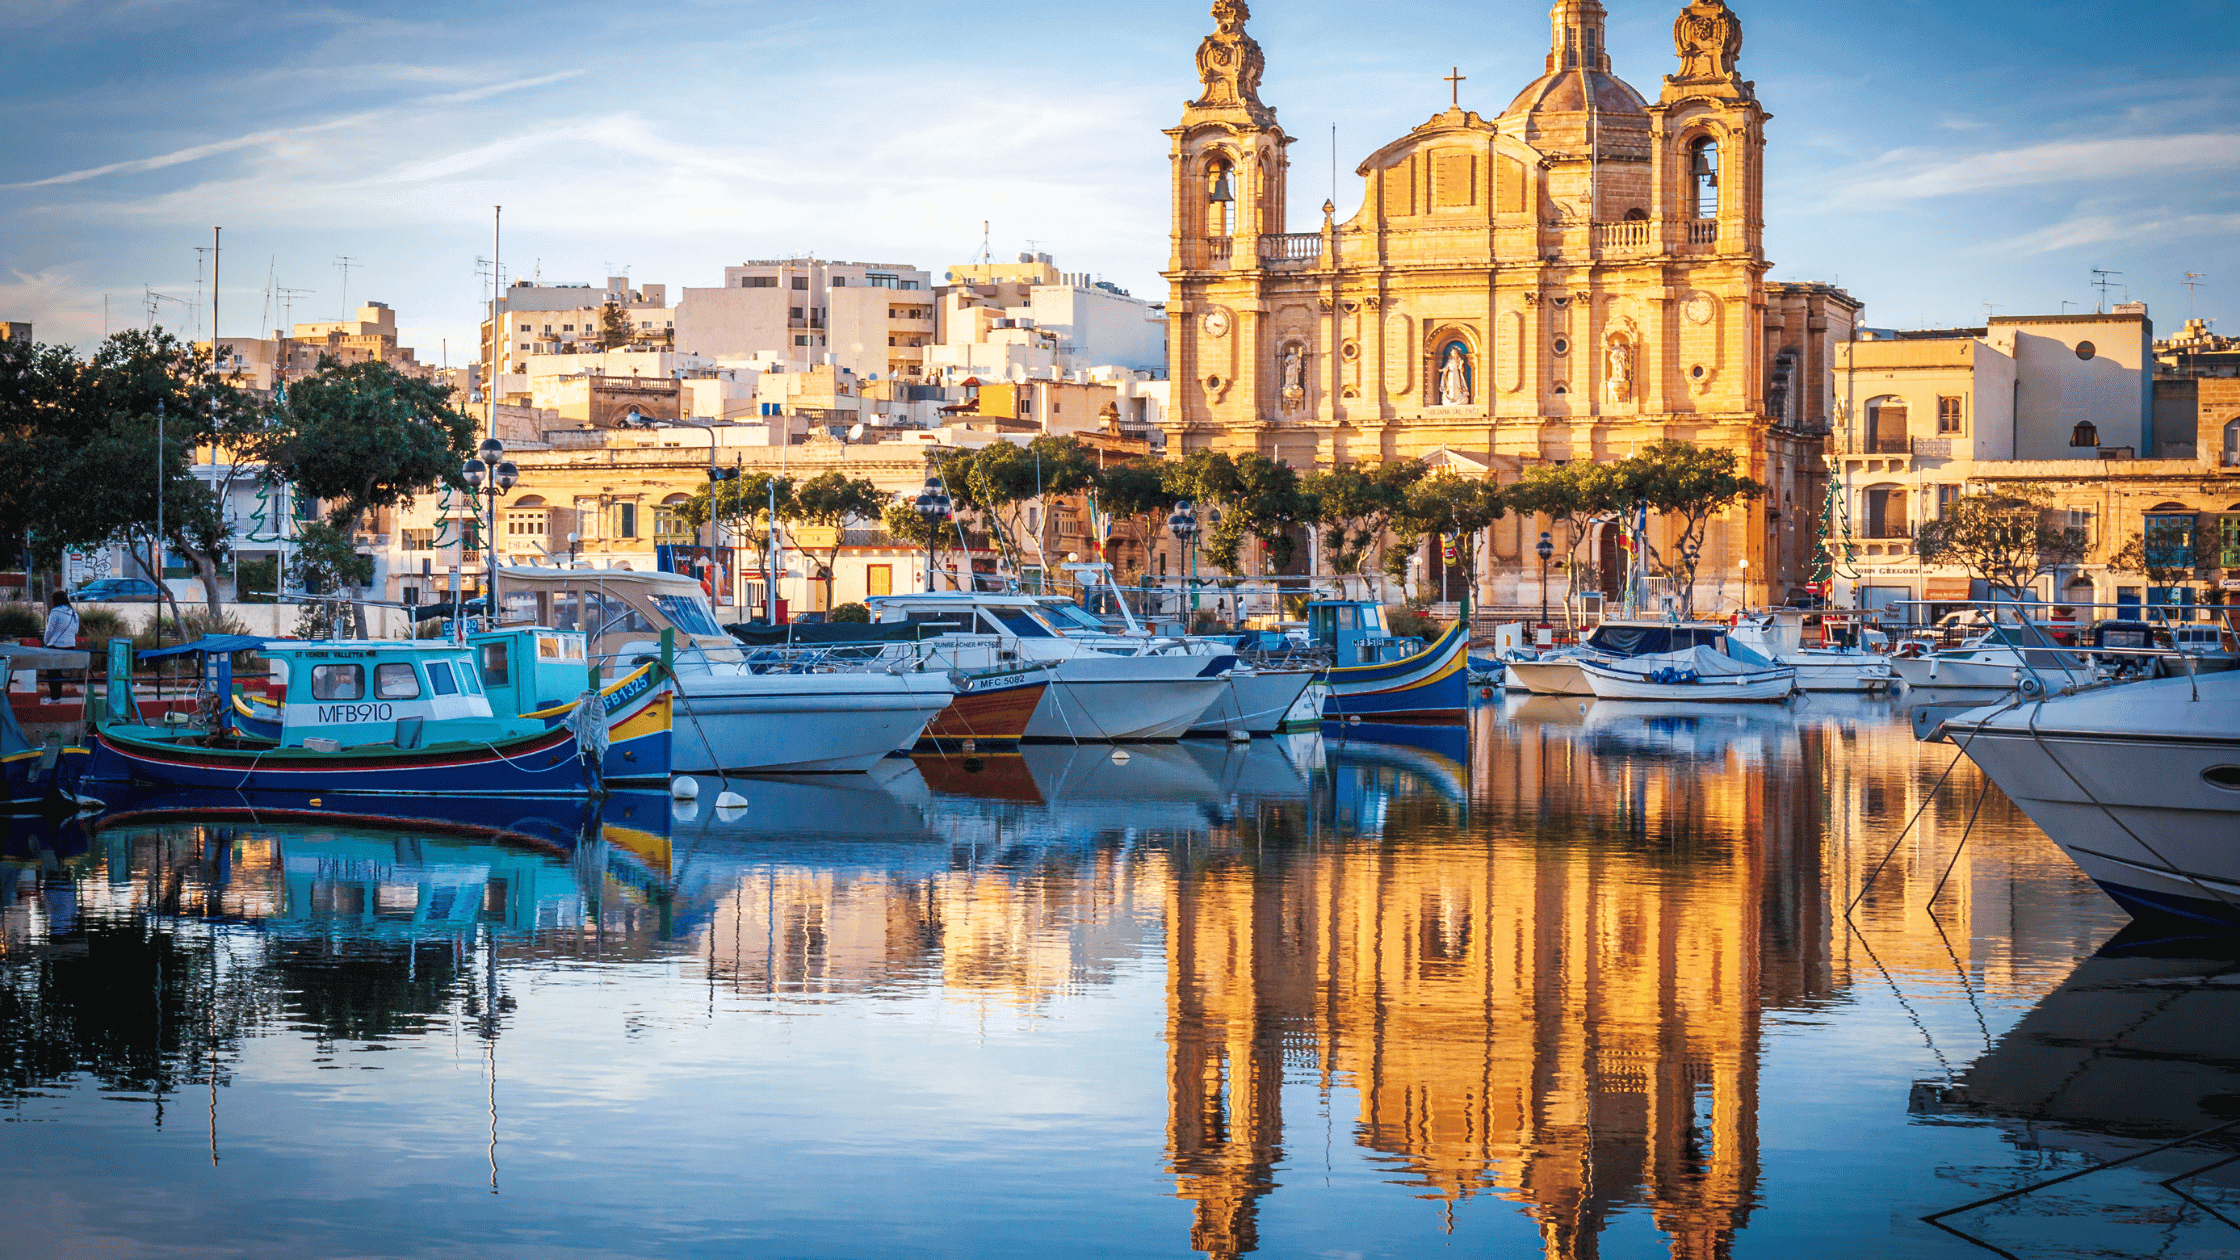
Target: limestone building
<point x="1573" y="278"/>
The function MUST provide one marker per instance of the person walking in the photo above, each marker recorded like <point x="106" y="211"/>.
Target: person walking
<point x="62" y="635"/>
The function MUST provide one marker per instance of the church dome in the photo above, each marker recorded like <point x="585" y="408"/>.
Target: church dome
<point x="1565" y="92"/>
<point x="1577" y="65"/>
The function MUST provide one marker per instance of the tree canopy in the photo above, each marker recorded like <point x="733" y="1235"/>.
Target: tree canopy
<point x="365" y="435"/>
<point x="1354" y="504"/>
<point x="1687" y="485"/>
<point x="2001" y="537"/>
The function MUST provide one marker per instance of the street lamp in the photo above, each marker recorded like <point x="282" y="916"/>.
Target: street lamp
<point x="1546" y="547"/>
<point x="1184" y="525"/>
<point x="490" y="464"/>
<point x="933" y="509"/>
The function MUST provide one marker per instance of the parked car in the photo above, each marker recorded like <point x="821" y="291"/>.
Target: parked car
<point x="116" y="590"/>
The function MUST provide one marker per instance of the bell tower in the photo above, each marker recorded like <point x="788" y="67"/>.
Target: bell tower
<point x="1228" y="178"/>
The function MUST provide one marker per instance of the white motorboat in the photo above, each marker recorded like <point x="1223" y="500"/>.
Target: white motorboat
<point x="1999" y="659"/>
<point x="731" y="717"/>
<point x="1696" y="675"/>
<point x="1778" y="637"/>
<point x="1105" y="687"/>
<point x="1557" y="672"/>
<point x="1259" y="697"/>
<point x="2139" y="783"/>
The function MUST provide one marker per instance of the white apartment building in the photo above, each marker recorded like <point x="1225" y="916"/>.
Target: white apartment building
<point x="1016" y="321"/>
<point x="2061" y="401"/>
<point x="566" y="319"/>
<point x="873" y="319"/>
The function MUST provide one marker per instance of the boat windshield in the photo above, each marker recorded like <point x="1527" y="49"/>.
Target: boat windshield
<point x="689" y="613"/>
<point x="1027" y="623"/>
<point x="1072" y="616"/>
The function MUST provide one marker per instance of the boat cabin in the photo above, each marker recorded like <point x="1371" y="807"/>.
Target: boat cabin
<point x="615" y="611"/>
<point x="1648" y="638"/>
<point x="972" y="612"/>
<point x="358" y="693"/>
<point x="1354" y="629"/>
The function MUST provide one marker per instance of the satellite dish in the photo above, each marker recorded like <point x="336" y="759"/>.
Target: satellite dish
<point x="855" y="434"/>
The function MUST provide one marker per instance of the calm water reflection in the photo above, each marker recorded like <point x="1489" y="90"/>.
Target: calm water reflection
<point x="1576" y="983"/>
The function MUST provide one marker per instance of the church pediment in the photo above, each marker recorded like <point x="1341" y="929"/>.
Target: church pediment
<point x="1448" y="127"/>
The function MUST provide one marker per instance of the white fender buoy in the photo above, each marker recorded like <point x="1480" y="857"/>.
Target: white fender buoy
<point x="684" y="788"/>
<point x="1239" y="736"/>
<point x="730" y="800"/>
<point x="1119" y="756"/>
<point x="684" y="811"/>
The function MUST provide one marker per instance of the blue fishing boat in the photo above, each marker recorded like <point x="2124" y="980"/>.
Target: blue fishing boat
<point x="35" y="778"/>
<point x="495" y="715"/>
<point x="1379" y="676"/>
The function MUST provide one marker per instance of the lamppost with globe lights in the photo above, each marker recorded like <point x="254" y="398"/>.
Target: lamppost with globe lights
<point x="933" y="509"/>
<point x="1183" y="524"/>
<point x="490" y="465"/>
<point x="1546" y="547"/>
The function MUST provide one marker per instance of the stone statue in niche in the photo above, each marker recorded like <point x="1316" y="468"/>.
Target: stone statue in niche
<point x="1454" y="377"/>
<point x="1294" y="377"/>
<point x="1618" y="378"/>
<point x="1708" y="37"/>
<point x="1229" y="61"/>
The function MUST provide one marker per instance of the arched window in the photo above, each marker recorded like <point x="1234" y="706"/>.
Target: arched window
<point x="668" y="523"/>
<point x="1703" y="178"/>
<point x="1637" y="215"/>
<point x="1886" y="426"/>
<point x="2232" y="444"/>
<point x="2085" y="434"/>
<point x="1221" y="198"/>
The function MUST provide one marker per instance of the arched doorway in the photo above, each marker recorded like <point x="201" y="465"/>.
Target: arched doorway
<point x="1610" y="558"/>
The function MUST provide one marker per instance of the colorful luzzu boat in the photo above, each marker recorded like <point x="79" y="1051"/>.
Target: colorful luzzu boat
<point x="495" y="715"/>
<point x="1379" y="677"/>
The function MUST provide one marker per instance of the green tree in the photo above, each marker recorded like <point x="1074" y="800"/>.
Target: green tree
<point x="1446" y="505"/>
<point x="1354" y="505"/>
<point x="1136" y="492"/>
<point x="1687" y="485"/>
<point x="830" y="500"/>
<point x="80" y="462"/>
<point x="1257" y="497"/>
<point x="327" y="562"/>
<point x="1574" y="496"/>
<point x="1001" y="480"/>
<point x="614" y="326"/>
<point x="2001" y="537"/>
<point x="742" y="507"/>
<point x="2161" y="555"/>
<point x="901" y="519"/>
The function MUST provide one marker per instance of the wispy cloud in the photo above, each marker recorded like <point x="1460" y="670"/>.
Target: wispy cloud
<point x="1910" y="174"/>
<point x="2096" y="228"/>
<point x="276" y="135"/>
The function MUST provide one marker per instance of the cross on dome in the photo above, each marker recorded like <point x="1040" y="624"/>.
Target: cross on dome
<point x="1454" y="80"/>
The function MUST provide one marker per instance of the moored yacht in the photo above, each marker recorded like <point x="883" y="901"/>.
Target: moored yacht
<point x="1557" y="672"/>
<point x="2139" y="783"/>
<point x="1104" y="687"/>
<point x="733" y="716"/>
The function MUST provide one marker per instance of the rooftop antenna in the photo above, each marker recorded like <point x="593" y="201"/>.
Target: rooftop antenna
<point x="345" y="263"/>
<point x="288" y="305"/>
<point x="2101" y="282"/>
<point x="1990" y="309"/>
<point x="271" y="277"/>
<point x="2193" y="281"/>
<point x="199" y="251"/>
<point x="985" y="257"/>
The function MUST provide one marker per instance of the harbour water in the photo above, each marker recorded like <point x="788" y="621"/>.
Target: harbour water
<point x="1578" y="982"/>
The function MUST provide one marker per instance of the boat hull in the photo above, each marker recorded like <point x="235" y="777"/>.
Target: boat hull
<point x="1127" y="698"/>
<point x="1557" y="677"/>
<point x="1255" y="702"/>
<point x="1764" y="687"/>
<point x="837" y="723"/>
<point x="1429" y="686"/>
<point x="1949" y="674"/>
<point x="990" y="710"/>
<point x="1840" y="671"/>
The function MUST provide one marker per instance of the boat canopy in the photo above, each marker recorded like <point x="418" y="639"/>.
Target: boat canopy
<point x="1650" y="638"/>
<point x="215" y="644"/>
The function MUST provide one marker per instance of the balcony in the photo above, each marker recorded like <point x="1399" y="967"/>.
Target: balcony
<point x="1703" y="232"/>
<point x="1210" y="254"/>
<point x="1635" y="236"/>
<point x="1290" y="247"/>
<point x="1887" y="529"/>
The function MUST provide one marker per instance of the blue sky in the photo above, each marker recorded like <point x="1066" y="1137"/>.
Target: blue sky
<point x="1931" y="157"/>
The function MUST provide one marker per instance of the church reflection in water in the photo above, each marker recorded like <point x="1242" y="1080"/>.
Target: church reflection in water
<point x="1536" y="963"/>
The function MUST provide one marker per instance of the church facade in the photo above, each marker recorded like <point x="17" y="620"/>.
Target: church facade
<point x="1574" y="278"/>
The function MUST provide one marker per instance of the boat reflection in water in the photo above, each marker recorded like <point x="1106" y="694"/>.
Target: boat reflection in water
<point x="1519" y="982"/>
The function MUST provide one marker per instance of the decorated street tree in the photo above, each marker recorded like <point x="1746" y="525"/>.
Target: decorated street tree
<point x="828" y="501"/>
<point x="1687" y="485"/>
<point x="2002" y="537"/>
